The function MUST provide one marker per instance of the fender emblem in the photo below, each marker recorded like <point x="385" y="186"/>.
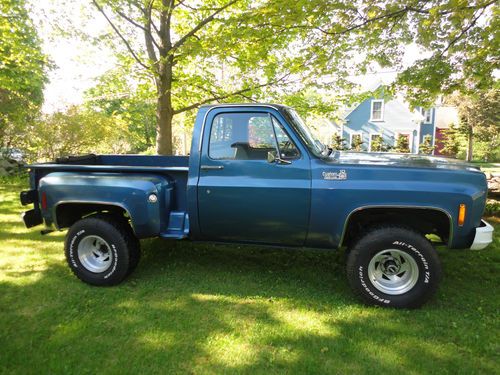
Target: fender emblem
<point x="340" y="175"/>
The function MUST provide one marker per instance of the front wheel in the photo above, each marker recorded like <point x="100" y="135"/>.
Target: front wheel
<point x="394" y="266"/>
<point x="101" y="250"/>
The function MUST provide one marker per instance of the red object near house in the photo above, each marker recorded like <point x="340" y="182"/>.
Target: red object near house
<point x="439" y="142"/>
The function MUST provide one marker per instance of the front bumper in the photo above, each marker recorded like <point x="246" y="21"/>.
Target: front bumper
<point x="483" y="237"/>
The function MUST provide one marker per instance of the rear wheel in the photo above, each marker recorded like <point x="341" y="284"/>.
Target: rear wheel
<point x="394" y="266"/>
<point x="101" y="250"/>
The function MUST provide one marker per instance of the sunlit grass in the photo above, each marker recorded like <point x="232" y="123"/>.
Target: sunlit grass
<point x="211" y="309"/>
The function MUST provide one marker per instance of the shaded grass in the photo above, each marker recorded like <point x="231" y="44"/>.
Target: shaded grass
<point x="203" y="309"/>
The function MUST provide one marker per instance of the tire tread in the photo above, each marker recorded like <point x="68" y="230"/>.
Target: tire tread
<point x="123" y="230"/>
<point x="378" y="232"/>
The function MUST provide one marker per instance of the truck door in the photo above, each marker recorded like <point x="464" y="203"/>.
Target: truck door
<point x="241" y="195"/>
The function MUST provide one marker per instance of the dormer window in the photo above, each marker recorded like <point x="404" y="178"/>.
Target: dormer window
<point x="427" y="113"/>
<point x="377" y="110"/>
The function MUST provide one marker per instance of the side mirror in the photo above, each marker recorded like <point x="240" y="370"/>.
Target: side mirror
<point x="272" y="157"/>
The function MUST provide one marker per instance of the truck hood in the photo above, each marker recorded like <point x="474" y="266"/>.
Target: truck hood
<point x="399" y="160"/>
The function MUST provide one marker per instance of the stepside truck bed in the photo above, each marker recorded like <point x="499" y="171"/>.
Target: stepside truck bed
<point x="75" y="173"/>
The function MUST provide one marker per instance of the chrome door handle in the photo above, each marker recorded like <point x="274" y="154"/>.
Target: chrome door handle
<point x="211" y="167"/>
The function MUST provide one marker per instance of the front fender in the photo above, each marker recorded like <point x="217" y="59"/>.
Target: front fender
<point x="334" y="197"/>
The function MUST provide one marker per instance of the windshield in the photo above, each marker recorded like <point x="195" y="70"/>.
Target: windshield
<point x="314" y="145"/>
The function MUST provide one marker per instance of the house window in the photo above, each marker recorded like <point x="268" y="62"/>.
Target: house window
<point x="377" y="110"/>
<point x="427" y="113"/>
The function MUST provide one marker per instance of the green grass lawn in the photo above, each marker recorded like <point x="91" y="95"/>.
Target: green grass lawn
<point x="488" y="167"/>
<point x="210" y="309"/>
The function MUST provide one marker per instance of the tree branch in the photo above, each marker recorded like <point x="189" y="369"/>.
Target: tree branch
<point x="148" y="12"/>
<point x="225" y="96"/>
<point x="164" y="33"/>
<point x="130" y="20"/>
<point x="249" y="98"/>
<point x="149" y="39"/>
<point x="365" y="22"/>
<point x="127" y="44"/>
<point x="200" y="25"/>
<point x="444" y="12"/>
<point x="463" y="32"/>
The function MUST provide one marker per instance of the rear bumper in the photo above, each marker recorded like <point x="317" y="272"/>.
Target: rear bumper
<point x="483" y="237"/>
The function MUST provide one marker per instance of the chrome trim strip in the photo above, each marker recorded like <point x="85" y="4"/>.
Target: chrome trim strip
<point x="106" y="167"/>
<point x="397" y="206"/>
<point x="211" y="167"/>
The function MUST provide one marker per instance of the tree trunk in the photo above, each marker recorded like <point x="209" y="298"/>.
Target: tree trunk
<point x="469" y="144"/>
<point x="164" y="116"/>
<point x="164" y="110"/>
<point x="470" y="138"/>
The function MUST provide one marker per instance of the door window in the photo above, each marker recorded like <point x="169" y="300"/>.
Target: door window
<point x="287" y="148"/>
<point x="248" y="136"/>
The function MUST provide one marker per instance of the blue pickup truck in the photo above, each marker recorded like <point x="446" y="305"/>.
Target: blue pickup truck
<point x="256" y="175"/>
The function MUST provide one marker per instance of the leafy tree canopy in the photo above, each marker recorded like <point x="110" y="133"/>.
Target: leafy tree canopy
<point x="22" y="68"/>
<point x="198" y="52"/>
<point x="126" y="93"/>
<point x="479" y="127"/>
<point x="75" y="131"/>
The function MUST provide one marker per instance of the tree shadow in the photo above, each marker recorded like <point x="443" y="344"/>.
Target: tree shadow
<point x="191" y="321"/>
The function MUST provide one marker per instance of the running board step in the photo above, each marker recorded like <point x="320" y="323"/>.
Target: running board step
<point x="178" y="225"/>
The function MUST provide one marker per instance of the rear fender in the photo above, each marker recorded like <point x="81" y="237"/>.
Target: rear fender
<point x="145" y="199"/>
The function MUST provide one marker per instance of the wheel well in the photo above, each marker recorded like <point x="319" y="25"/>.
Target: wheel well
<point x="424" y="220"/>
<point x="69" y="213"/>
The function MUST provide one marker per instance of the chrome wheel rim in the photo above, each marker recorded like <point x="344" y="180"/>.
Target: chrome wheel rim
<point x="393" y="271"/>
<point x="95" y="254"/>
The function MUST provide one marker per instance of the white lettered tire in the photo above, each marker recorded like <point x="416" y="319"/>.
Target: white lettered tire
<point x="101" y="251"/>
<point x="393" y="266"/>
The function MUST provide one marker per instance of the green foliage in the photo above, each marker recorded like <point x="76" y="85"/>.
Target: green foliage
<point x="308" y="102"/>
<point x="76" y="131"/>
<point x="426" y="146"/>
<point x="18" y="179"/>
<point x="463" y="40"/>
<point x="451" y="141"/>
<point x="402" y="144"/>
<point x="22" y="70"/>
<point x="357" y="142"/>
<point x="127" y="96"/>
<point x="492" y="208"/>
<point x="223" y="50"/>
<point x="338" y="143"/>
<point x="378" y="144"/>
<point x="480" y="117"/>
